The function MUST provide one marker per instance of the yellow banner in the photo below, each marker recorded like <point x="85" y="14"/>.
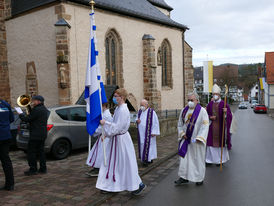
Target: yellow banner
<point x="261" y="84"/>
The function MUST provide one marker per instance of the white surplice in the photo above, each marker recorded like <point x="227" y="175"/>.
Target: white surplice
<point x="96" y="155"/>
<point x="192" y="166"/>
<point x="213" y="155"/>
<point x="155" y="130"/>
<point x="126" y="168"/>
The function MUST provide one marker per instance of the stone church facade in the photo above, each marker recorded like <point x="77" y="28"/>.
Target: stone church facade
<point x="140" y="48"/>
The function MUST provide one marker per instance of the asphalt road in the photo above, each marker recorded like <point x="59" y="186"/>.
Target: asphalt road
<point x="246" y="180"/>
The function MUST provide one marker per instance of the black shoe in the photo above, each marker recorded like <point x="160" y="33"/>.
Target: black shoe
<point x="104" y="192"/>
<point x="199" y="183"/>
<point x="42" y="171"/>
<point x="30" y="173"/>
<point x="8" y="188"/>
<point x="180" y="181"/>
<point x="142" y="187"/>
<point x="93" y="173"/>
<point x="145" y="164"/>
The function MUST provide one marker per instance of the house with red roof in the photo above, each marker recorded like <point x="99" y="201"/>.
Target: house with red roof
<point x="269" y="78"/>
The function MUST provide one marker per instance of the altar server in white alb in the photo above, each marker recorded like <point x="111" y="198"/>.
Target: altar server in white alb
<point x="96" y="155"/>
<point x="193" y="127"/>
<point x="148" y="128"/>
<point x="121" y="171"/>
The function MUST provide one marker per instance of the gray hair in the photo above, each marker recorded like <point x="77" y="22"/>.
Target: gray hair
<point x="144" y="101"/>
<point x="193" y="94"/>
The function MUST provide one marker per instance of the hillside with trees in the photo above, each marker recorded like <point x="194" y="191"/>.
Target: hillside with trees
<point x="248" y="76"/>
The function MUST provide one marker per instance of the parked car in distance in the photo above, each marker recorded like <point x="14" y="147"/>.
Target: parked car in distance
<point x="247" y="104"/>
<point x="260" y="108"/>
<point x="242" y="105"/>
<point x="66" y="131"/>
<point x="254" y="103"/>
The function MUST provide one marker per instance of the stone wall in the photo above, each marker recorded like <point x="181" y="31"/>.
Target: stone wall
<point x="189" y="70"/>
<point x="149" y="71"/>
<point x="5" y="12"/>
<point x="31" y="37"/>
<point x="63" y="55"/>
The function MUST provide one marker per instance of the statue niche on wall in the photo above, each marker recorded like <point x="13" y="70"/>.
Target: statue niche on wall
<point x="31" y="79"/>
<point x="63" y="76"/>
<point x="159" y="57"/>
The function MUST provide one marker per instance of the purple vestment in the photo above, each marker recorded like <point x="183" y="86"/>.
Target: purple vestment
<point x="227" y="137"/>
<point x="144" y="157"/>
<point x="190" y="128"/>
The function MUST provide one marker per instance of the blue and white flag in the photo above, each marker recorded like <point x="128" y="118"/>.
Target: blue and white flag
<point x="94" y="88"/>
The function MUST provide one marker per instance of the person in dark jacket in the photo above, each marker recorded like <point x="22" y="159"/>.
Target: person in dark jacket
<point x="6" y="117"/>
<point x="37" y="119"/>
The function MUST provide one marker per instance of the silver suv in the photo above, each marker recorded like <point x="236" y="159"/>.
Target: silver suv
<point x="66" y="131"/>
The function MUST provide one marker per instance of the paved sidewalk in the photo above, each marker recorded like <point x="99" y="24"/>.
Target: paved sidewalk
<point x="66" y="182"/>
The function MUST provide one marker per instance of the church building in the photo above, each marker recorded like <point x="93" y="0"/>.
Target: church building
<point x="44" y="50"/>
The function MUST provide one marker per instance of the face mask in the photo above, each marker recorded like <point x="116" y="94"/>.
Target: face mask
<point x="114" y="100"/>
<point x="216" y="97"/>
<point x="142" y="108"/>
<point x="191" y="104"/>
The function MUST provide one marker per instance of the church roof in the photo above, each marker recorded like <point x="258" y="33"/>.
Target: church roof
<point x="142" y="9"/>
<point x="161" y="3"/>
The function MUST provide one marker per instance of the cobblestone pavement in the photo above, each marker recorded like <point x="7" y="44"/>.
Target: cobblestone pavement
<point x="67" y="184"/>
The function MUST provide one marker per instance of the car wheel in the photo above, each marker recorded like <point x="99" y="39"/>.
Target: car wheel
<point x="61" y="149"/>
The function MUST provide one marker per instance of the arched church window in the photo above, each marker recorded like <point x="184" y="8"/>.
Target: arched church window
<point x="166" y="64"/>
<point x="113" y="46"/>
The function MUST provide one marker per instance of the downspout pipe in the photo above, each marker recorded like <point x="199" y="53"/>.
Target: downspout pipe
<point x="183" y="45"/>
<point x="268" y="96"/>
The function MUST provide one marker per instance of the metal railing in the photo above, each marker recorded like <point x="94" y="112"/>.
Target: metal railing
<point x="164" y="114"/>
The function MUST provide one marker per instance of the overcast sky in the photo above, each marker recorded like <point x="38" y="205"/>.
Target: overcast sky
<point x="227" y="31"/>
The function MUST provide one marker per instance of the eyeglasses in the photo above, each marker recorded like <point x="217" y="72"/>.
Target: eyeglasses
<point x="190" y="100"/>
<point x="116" y="96"/>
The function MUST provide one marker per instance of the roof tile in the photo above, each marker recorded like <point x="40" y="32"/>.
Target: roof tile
<point x="269" y="63"/>
<point x="142" y="9"/>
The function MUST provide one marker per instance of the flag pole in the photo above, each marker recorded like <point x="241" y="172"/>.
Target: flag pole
<point x="92" y="3"/>
<point x="223" y="133"/>
<point x="89" y="136"/>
